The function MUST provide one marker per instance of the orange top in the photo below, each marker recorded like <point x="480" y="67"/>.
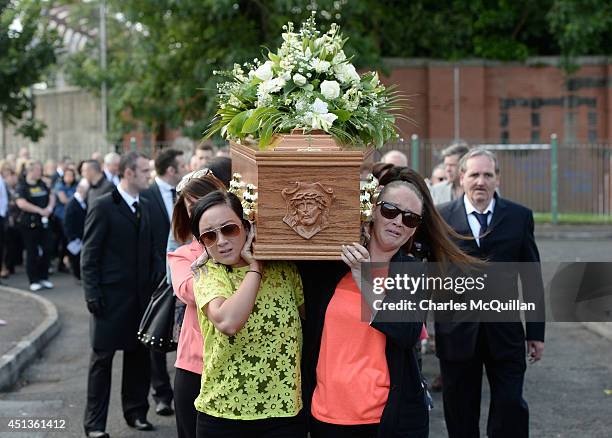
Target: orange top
<point x="352" y="373"/>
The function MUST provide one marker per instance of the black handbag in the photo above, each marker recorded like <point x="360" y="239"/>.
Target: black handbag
<point x="157" y="324"/>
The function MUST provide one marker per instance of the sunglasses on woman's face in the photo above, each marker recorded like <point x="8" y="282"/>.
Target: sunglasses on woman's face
<point x="209" y="238"/>
<point x="390" y="211"/>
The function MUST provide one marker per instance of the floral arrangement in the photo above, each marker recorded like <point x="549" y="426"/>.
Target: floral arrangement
<point x="247" y="193"/>
<point x="367" y="198"/>
<point x="308" y="84"/>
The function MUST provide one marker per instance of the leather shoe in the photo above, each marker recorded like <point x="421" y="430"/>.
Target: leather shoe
<point x="140" y="424"/>
<point x="164" y="409"/>
<point x="97" y="434"/>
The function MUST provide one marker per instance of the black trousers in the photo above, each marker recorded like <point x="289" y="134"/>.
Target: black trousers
<point x="186" y="390"/>
<point x="135" y="381"/>
<point x="75" y="264"/>
<point x="160" y="379"/>
<point x="319" y="429"/>
<point x="461" y="391"/>
<point x="36" y="242"/>
<point x="13" y="248"/>
<point x="214" y="427"/>
<point x="2" y="238"/>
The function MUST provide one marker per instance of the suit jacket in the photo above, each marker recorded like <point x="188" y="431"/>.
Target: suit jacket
<point x="509" y="238"/>
<point x="160" y="223"/>
<point x="442" y="192"/>
<point x="117" y="262"/>
<point x="96" y="191"/>
<point x="74" y="220"/>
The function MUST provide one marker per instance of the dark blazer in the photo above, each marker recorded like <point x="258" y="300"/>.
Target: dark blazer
<point x="74" y="220"/>
<point x="509" y="238"/>
<point x="97" y="190"/>
<point x="160" y="223"/>
<point x="406" y="413"/>
<point x="117" y="262"/>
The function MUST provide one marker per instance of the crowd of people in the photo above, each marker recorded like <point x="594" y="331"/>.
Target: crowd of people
<point x="273" y="348"/>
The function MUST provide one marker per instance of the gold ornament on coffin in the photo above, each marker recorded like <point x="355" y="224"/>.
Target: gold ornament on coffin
<point x="308" y="207"/>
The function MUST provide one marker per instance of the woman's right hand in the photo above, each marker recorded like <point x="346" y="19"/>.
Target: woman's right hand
<point x="247" y="250"/>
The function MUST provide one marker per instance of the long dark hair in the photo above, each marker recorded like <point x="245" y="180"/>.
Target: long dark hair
<point x="217" y="197"/>
<point x="433" y="231"/>
<point x="195" y="189"/>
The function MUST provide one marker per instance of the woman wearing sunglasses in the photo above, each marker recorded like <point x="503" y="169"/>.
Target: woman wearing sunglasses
<point x="248" y="312"/>
<point x="362" y="379"/>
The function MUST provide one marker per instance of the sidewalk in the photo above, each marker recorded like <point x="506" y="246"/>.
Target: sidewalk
<point x="573" y="232"/>
<point x="31" y="321"/>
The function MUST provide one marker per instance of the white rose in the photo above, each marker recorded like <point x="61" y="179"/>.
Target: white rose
<point x="330" y="89"/>
<point x="264" y="72"/>
<point x="346" y="73"/>
<point x="319" y="106"/>
<point x="299" y="79"/>
<point x="319" y="65"/>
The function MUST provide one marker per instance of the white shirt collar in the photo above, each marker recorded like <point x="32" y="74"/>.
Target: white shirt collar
<point x="163" y="185"/>
<point x="469" y="208"/>
<point x="129" y="199"/>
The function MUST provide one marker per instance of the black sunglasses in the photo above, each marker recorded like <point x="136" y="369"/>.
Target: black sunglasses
<point x="390" y="211"/>
<point x="209" y="238"/>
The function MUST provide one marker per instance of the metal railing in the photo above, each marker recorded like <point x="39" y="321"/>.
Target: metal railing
<point x="550" y="178"/>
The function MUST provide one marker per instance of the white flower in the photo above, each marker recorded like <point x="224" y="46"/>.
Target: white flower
<point x="330" y="89"/>
<point x="299" y="79"/>
<point x="264" y="72"/>
<point x="346" y="73"/>
<point x="319" y="106"/>
<point x="365" y="197"/>
<point x="319" y="65"/>
<point x="307" y="53"/>
<point x="339" y="58"/>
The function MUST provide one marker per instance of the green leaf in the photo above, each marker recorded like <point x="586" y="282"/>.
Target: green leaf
<point x="343" y="115"/>
<point x="234" y="128"/>
<point x="252" y="123"/>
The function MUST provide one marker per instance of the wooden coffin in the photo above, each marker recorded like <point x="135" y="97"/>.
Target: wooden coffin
<point x="307" y="196"/>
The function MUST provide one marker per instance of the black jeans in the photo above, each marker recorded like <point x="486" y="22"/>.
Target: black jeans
<point x="186" y="390"/>
<point x="213" y="427"/>
<point x="319" y="429"/>
<point x="36" y="242"/>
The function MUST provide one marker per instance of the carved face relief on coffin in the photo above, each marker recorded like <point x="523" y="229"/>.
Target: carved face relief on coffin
<point x="308" y="206"/>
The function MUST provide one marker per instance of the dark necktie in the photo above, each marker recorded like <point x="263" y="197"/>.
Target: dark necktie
<point x="136" y="210"/>
<point x="173" y="191"/>
<point x="482" y="220"/>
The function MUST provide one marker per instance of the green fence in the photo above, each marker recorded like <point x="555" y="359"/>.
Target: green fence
<point x="580" y="183"/>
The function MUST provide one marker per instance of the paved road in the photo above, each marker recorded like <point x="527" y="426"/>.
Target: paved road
<point x="565" y="391"/>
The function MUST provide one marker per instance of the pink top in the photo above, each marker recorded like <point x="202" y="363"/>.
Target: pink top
<point x="189" y="354"/>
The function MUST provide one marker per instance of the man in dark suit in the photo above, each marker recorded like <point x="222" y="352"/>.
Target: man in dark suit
<point x="74" y="226"/>
<point x="117" y="264"/>
<point x="98" y="184"/>
<point x="503" y="232"/>
<point x="170" y="168"/>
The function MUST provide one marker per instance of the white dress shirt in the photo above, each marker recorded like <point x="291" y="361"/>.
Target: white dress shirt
<point x="80" y="200"/>
<point x="473" y="221"/>
<point x="112" y="178"/>
<point x="166" y="193"/>
<point x="129" y="199"/>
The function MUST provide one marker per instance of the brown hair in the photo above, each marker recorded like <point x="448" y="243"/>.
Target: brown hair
<point x="433" y="231"/>
<point x="194" y="190"/>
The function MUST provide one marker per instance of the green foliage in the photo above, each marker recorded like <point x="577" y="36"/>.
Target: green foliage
<point x="162" y="52"/>
<point x="26" y="51"/>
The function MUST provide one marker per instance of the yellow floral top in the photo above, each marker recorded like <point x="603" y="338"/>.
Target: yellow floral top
<point x="254" y="374"/>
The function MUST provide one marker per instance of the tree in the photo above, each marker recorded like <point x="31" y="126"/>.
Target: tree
<point x="162" y="53"/>
<point x="26" y="51"/>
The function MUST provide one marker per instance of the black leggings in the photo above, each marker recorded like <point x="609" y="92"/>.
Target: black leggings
<point x="186" y="390"/>
<point x="319" y="429"/>
<point x="214" y="427"/>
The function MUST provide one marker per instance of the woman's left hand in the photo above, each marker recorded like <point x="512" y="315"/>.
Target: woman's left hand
<point x="354" y="255"/>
